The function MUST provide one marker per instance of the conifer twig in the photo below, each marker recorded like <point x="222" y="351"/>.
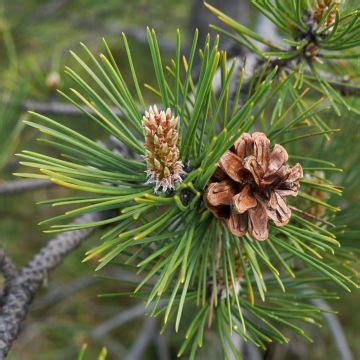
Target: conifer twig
<point x="59" y="108"/>
<point x="27" y="281"/>
<point x="7" y="267"/>
<point x="144" y="338"/>
<point x="336" y="330"/>
<point x="121" y="319"/>
<point x="21" y="186"/>
<point x="251" y="351"/>
<point x="64" y="292"/>
<point x="8" y="270"/>
<point x="49" y="9"/>
<point x="162" y="349"/>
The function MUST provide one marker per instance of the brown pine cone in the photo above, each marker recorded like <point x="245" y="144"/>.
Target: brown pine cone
<point x="250" y="185"/>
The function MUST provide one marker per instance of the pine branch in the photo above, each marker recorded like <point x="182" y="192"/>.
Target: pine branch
<point x="117" y="349"/>
<point x="122" y="318"/>
<point x="8" y="270"/>
<point x="65" y="291"/>
<point x="49" y="9"/>
<point x="162" y="349"/>
<point x="336" y="330"/>
<point x="21" y="186"/>
<point x="59" y="108"/>
<point x="24" y="285"/>
<point x="145" y="336"/>
<point x="251" y="351"/>
<point x="200" y="19"/>
<point x="7" y="267"/>
<point x="138" y="34"/>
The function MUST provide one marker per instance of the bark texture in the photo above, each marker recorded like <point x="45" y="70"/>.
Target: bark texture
<point x="22" y="285"/>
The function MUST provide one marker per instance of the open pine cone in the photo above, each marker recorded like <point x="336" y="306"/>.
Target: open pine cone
<point x="250" y="185"/>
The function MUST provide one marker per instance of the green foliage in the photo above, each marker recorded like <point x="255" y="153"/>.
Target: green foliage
<point x="172" y="238"/>
<point x="10" y="125"/>
<point x="347" y="149"/>
<point x="313" y="51"/>
<point x="265" y="322"/>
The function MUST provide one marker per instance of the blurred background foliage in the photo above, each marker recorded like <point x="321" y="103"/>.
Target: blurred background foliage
<point x="35" y="39"/>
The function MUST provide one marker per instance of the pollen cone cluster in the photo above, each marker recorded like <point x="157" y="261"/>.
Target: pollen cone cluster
<point x="322" y="6"/>
<point x="250" y="185"/>
<point x="164" y="168"/>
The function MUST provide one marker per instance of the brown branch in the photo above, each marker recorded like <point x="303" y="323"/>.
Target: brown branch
<point x="8" y="270"/>
<point x="252" y="62"/>
<point x="7" y="267"/>
<point x="65" y="291"/>
<point x="139" y="34"/>
<point x="60" y="108"/>
<point x="201" y="17"/>
<point x="27" y="281"/>
<point x="48" y="9"/>
<point x="143" y="340"/>
<point x="122" y="318"/>
<point x="335" y="328"/>
<point x="162" y="349"/>
<point x="21" y="186"/>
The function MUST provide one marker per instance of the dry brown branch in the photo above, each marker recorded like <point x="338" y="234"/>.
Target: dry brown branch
<point x="23" y="285"/>
<point x="20" y="186"/>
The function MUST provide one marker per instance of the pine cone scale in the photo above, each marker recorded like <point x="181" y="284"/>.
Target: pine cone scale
<point x="278" y="211"/>
<point x="258" y="218"/>
<point x="244" y="201"/>
<point x="232" y="165"/>
<point x="278" y="157"/>
<point x="238" y="223"/>
<point x="261" y="151"/>
<point x="221" y="193"/>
